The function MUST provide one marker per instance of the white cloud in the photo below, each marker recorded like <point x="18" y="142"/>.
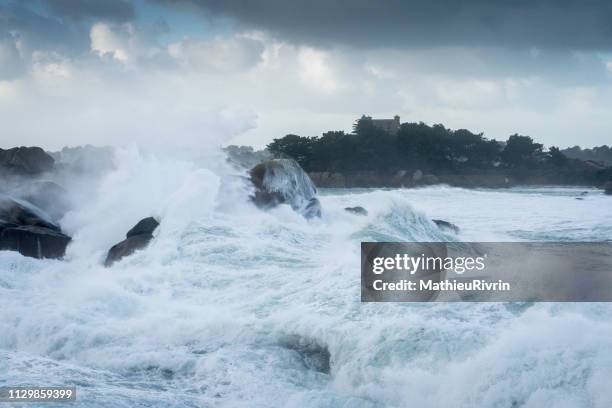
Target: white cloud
<point x="202" y="91"/>
<point x="124" y="43"/>
<point x="315" y="71"/>
<point x="106" y="41"/>
<point x="220" y="55"/>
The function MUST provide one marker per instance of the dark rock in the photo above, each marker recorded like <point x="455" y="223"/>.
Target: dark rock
<point x="25" y="160"/>
<point x="127" y="247"/>
<point x="608" y="188"/>
<point x="579" y="198"/>
<point x="136" y="238"/>
<point x="28" y="230"/>
<point x="445" y="225"/>
<point x="357" y="210"/>
<point x="144" y="226"/>
<point x="314" y="355"/>
<point x="34" y="241"/>
<point x="22" y="213"/>
<point x="282" y="181"/>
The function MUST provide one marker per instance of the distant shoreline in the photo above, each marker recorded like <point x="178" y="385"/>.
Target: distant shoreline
<point x="404" y="179"/>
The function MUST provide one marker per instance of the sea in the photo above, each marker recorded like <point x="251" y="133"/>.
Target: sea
<point x="233" y="306"/>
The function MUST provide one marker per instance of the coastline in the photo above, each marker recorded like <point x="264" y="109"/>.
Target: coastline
<point x="404" y="179"/>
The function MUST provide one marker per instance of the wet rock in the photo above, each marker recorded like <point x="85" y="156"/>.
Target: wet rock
<point x="28" y="230"/>
<point x="144" y="226"/>
<point x="314" y="355"/>
<point x="282" y="181"/>
<point x="25" y="160"/>
<point x="445" y="225"/>
<point x="35" y="242"/>
<point x="138" y="237"/>
<point x="357" y="210"/>
<point x="22" y="213"/>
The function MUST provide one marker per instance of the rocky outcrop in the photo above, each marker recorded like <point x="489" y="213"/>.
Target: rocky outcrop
<point x="28" y="230"/>
<point x="357" y="210"/>
<point x="25" y="160"/>
<point x="144" y="226"/>
<point x="35" y="242"/>
<point x="138" y="237"/>
<point x="282" y="181"/>
<point x="21" y="213"/>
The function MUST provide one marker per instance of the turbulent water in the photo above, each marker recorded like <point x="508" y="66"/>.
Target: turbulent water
<point x="233" y="306"/>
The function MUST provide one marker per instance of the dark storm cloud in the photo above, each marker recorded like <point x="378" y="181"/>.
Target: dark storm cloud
<point x="102" y="9"/>
<point x="558" y="24"/>
<point x="37" y="31"/>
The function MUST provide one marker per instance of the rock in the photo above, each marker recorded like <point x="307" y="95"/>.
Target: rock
<point x="314" y="355"/>
<point x="144" y="226"/>
<point x="28" y="230"/>
<point x="445" y="225"/>
<point x="357" y="210"/>
<point x="35" y="242"/>
<point x="127" y="247"/>
<point x="138" y="237"/>
<point x="282" y="181"/>
<point x="25" y="160"/>
<point x="608" y="188"/>
<point x="22" y="213"/>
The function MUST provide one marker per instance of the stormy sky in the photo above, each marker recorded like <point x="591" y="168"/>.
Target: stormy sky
<point x="202" y="72"/>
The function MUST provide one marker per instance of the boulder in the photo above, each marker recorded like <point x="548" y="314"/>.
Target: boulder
<point x="35" y="242"/>
<point x="282" y="181"/>
<point x="22" y="213"/>
<point x="25" y="160"/>
<point x="445" y="225"/>
<point x="357" y="210"/>
<point x="144" y="226"/>
<point x="608" y="188"/>
<point x="138" y="237"/>
<point x="28" y="230"/>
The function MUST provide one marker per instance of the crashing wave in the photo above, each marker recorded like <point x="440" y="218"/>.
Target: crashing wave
<point x="283" y="181"/>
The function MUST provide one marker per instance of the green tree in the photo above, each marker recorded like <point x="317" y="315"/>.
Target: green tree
<point x="521" y="150"/>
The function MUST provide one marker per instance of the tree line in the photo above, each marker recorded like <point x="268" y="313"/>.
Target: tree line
<point x="435" y="149"/>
